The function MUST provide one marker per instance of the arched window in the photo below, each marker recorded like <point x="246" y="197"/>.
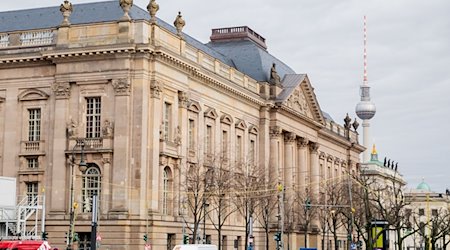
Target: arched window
<point x="91" y="186"/>
<point x="167" y="189"/>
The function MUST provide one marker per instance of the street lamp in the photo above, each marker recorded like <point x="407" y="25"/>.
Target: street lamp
<point x="82" y="166"/>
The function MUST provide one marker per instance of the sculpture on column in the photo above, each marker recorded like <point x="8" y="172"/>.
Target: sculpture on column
<point x="152" y="8"/>
<point x="347" y="121"/>
<point x="355" y="125"/>
<point x="126" y="6"/>
<point x="66" y="9"/>
<point x="274" y="77"/>
<point x="71" y="129"/>
<point x="179" y="23"/>
<point x="107" y="129"/>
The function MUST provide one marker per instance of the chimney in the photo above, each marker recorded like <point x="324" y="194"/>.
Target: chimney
<point x="237" y="34"/>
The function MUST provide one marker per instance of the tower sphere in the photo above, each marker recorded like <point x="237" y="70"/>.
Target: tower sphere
<point x="365" y="110"/>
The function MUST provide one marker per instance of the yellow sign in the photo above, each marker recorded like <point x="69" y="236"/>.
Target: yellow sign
<point x="377" y="234"/>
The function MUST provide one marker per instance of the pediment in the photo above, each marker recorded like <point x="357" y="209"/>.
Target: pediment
<point x="302" y="99"/>
<point x="253" y="129"/>
<point x="194" y="107"/>
<point x="227" y="119"/>
<point x="241" y="124"/>
<point x="211" y="113"/>
<point x="32" y="95"/>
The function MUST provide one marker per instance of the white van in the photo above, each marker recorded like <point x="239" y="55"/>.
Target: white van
<point x="195" y="247"/>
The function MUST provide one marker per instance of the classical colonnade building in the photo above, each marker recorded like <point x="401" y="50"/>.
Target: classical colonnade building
<point x="147" y="100"/>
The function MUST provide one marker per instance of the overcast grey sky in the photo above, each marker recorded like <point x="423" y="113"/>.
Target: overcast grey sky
<point x="408" y="63"/>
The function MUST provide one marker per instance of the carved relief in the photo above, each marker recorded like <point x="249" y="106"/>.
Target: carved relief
<point x="183" y="99"/>
<point x="155" y="88"/>
<point x="121" y="86"/>
<point x="107" y="129"/>
<point x="61" y="90"/>
<point x="297" y="101"/>
<point x="72" y="129"/>
<point x="177" y="139"/>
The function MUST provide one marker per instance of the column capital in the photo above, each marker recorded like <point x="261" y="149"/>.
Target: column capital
<point x="290" y="137"/>
<point x="314" y="147"/>
<point x="302" y="142"/>
<point x="275" y="132"/>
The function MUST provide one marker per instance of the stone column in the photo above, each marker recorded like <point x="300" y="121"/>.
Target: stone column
<point x="181" y="139"/>
<point x="315" y="171"/>
<point x="122" y="140"/>
<point x="154" y="126"/>
<point x="289" y="139"/>
<point x="302" y="158"/>
<point x="274" y="162"/>
<point x="60" y="170"/>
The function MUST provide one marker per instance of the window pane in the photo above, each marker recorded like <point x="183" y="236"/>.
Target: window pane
<point x="34" y="124"/>
<point x="91" y="187"/>
<point x="93" y="112"/>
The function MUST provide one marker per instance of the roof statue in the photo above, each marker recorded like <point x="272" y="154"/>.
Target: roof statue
<point x="152" y="8"/>
<point x="374" y="150"/>
<point x="347" y="121"/>
<point x="274" y="77"/>
<point x="66" y="9"/>
<point x="179" y="23"/>
<point x="126" y="6"/>
<point x="396" y="166"/>
<point x="355" y="124"/>
<point x="384" y="164"/>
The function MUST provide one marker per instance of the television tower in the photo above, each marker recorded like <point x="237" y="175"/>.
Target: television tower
<point x="365" y="109"/>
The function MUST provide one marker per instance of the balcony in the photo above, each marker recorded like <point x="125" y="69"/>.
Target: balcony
<point x="32" y="147"/>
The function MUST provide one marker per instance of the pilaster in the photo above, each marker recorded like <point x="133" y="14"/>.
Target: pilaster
<point x="274" y="162"/>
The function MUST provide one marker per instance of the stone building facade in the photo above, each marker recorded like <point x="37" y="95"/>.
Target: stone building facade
<point x="147" y="100"/>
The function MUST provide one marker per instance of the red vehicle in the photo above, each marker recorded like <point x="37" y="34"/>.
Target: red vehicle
<point x="24" y="245"/>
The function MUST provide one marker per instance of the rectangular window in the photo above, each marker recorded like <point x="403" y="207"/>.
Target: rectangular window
<point x="167" y="120"/>
<point x="32" y="193"/>
<point x="191" y="134"/>
<point x="239" y="148"/>
<point x="434" y="212"/>
<point x="225" y="144"/>
<point x="208" y="139"/>
<point x="93" y="112"/>
<point x="421" y="212"/>
<point x="34" y="124"/>
<point x="252" y="152"/>
<point x="33" y="162"/>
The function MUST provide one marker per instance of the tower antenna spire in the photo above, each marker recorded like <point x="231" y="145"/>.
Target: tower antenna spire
<point x="365" y="109"/>
<point x="365" y="50"/>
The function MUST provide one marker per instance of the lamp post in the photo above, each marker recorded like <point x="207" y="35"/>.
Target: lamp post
<point x="82" y="166"/>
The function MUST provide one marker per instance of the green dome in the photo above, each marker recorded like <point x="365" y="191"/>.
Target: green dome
<point x="423" y="186"/>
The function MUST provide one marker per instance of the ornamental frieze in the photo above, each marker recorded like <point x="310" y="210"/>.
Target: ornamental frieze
<point x="61" y="90"/>
<point x="297" y="101"/>
<point x="121" y="86"/>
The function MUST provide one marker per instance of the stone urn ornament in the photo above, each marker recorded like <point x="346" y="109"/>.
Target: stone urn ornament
<point x="152" y="8"/>
<point x="179" y="23"/>
<point x="66" y="9"/>
<point x="126" y="6"/>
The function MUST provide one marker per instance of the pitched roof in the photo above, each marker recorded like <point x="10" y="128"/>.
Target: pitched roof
<point x="251" y="59"/>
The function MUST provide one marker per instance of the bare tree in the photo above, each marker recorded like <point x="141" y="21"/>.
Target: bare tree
<point x="197" y="185"/>
<point x="266" y="207"/>
<point x="221" y="207"/>
<point x="307" y="210"/>
<point x="248" y="179"/>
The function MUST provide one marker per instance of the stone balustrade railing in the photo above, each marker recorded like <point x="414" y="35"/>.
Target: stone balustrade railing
<point x="27" y="38"/>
